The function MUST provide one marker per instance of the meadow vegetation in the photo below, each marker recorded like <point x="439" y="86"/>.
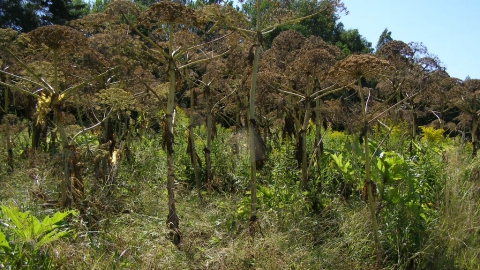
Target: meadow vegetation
<point x="428" y="210"/>
<point x="195" y="135"/>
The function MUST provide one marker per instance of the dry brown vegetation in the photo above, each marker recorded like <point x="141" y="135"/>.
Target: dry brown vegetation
<point x="279" y="151"/>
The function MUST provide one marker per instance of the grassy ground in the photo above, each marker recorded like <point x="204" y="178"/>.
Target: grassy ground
<point x="126" y="229"/>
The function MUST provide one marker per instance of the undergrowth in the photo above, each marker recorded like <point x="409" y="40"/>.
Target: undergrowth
<point x="429" y="211"/>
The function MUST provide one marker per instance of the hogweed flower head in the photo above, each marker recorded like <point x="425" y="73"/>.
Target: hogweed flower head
<point x="358" y="66"/>
<point x="57" y="37"/>
<point x="169" y="12"/>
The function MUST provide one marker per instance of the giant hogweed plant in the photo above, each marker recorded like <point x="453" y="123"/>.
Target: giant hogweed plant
<point x="307" y="73"/>
<point x="361" y="67"/>
<point x="25" y="244"/>
<point x="266" y="15"/>
<point x="174" y="42"/>
<point x="410" y="187"/>
<point x="51" y="91"/>
<point x="405" y="193"/>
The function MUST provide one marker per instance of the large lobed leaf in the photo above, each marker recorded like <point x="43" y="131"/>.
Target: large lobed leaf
<point x="28" y="228"/>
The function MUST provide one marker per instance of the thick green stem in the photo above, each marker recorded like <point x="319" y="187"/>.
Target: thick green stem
<point x="318" y="145"/>
<point x="67" y="195"/>
<point x="193" y="151"/>
<point x="208" y="160"/>
<point x="304" y="138"/>
<point x="56" y="86"/>
<point x="474" y="128"/>
<point x="251" y="123"/>
<point x="251" y="130"/>
<point x="8" y="137"/>
<point x="368" y="180"/>
<point x="172" y="218"/>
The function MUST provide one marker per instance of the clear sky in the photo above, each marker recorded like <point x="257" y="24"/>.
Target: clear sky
<point x="449" y="29"/>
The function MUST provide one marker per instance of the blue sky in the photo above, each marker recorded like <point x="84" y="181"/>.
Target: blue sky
<point x="449" y="29"/>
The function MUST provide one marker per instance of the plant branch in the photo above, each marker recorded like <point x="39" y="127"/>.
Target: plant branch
<point x="30" y="70"/>
<point x="181" y="52"/>
<point x="160" y="49"/>
<point x="93" y="126"/>
<point x="22" y="78"/>
<point x="391" y="107"/>
<point x="73" y="88"/>
<point x="202" y="60"/>
<point x="19" y="89"/>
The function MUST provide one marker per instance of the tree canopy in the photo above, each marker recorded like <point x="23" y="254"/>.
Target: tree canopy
<point x="28" y="15"/>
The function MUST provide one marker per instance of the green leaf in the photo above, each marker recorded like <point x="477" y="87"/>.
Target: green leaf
<point x="57" y="217"/>
<point x="345" y="167"/>
<point x="50" y="237"/>
<point x="3" y="243"/>
<point x="265" y="191"/>
<point x="29" y="228"/>
<point x="391" y="165"/>
<point x="393" y="196"/>
<point x="24" y="222"/>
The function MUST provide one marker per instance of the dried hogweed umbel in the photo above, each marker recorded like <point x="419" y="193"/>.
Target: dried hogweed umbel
<point x="59" y="37"/>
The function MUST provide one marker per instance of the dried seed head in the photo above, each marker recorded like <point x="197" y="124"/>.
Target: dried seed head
<point x="115" y="8"/>
<point x="7" y="35"/>
<point x="430" y="64"/>
<point x="288" y="41"/>
<point x="59" y="37"/>
<point x="92" y="23"/>
<point x="116" y="98"/>
<point x="170" y="12"/>
<point x="357" y="66"/>
<point x="184" y="38"/>
<point x="224" y="15"/>
<point x="472" y="86"/>
<point x="99" y="22"/>
<point x="316" y="61"/>
<point x="314" y="42"/>
<point x="395" y="50"/>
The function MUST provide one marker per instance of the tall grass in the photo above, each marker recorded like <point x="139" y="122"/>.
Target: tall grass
<point x="127" y="230"/>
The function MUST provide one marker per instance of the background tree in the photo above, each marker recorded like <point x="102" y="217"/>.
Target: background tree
<point x="352" y="42"/>
<point x="27" y="15"/>
<point x="384" y="38"/>
<point x="325" y="25"/>
<point x="19" y="15"/>
<point x="99" y="6"/>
